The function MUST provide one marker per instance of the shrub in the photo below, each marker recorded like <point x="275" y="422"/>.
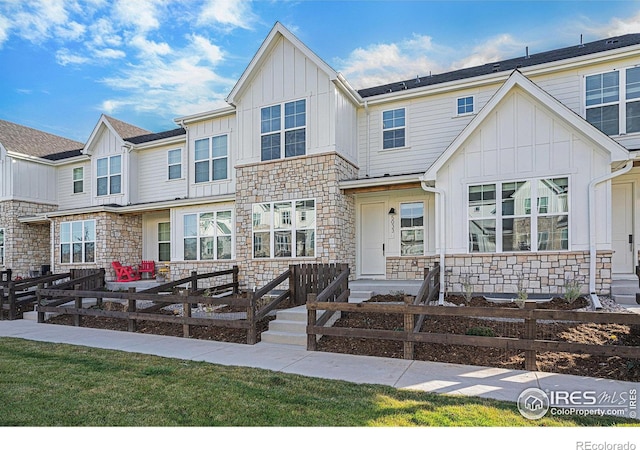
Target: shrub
<point x="480" y="331"/>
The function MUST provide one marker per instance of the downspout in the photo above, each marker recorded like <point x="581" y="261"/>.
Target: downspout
<point x="441" y="234"/>
<point x="186" y="153"/>
<point x="368" y="144"/>
<point x="595" y="302"/>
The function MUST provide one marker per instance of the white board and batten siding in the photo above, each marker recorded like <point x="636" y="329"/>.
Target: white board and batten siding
<point x="106" y="144"/>
<point x="286" y="75"/>
<point x="152" y="176"/>
<point x="208" y="129"/>
<point x="29" y="181"/>
<point x="522" y="140"/>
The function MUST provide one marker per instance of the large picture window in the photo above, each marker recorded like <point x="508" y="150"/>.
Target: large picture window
<point x="109" y="175"/>
<point x="284" y="229"/>
<point x="283" y="130"/>
<point x="208" y="235"/>
<point x="612" y="101"/>
<point x="531" y="215"/>
<point x="211" y="159"/>
<point x="78" y="241"/>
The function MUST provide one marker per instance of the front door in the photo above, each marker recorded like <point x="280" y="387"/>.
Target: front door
<point x="623" y="261"/>
<point x="372" y="261"/>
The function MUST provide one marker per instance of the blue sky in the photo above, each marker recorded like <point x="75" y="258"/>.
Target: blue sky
<point x="64" y="62"/>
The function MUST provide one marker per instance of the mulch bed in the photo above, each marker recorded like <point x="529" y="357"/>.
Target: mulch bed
<point x="612" y="367"/>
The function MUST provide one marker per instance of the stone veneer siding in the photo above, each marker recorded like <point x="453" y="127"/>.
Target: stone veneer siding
<point x="543" y="273"/>
<point x="26" y="246"/>
<point x="118" y="238"/>
<point x="315" y="177"/>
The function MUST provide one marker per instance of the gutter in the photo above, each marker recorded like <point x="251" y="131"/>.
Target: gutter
<point x="595" y="301"/>
<point x="441" y="235"/>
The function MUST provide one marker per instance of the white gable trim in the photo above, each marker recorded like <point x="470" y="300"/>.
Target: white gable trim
<point x="617" y="152"/>
<point x="96" y="130"/>
<point x="277" y="31"/>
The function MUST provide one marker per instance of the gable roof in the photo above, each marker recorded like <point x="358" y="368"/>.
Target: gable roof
<point x="31" y="142"/>
<point x="590" y="48"/>
<point x="125" y="130"/>
<point x="617" y="151"/>
<point x="277" y="31"/>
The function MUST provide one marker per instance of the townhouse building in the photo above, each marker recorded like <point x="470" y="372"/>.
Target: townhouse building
<point x="518" y="171"/>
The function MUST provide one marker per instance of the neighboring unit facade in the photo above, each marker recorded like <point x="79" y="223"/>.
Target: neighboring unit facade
<point x="518" y="172"/>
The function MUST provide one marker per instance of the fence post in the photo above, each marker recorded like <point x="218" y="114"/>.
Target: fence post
<point x="132" y="324"/>
<point x="530" y="334"/>
<point x="194" y="281"/>
<point x="252" y="331"/>
<point x="186" y="313"/>
<point x="236" y="284"/>
<point x="312" y="343"/>
<point x="12" y="300"/>
<point x="38" y="303"/>
<point x="409" y="323"/>
<point x="101" y="282"/>
<point x="77" y="318"/>
<point x="292" y="284"/>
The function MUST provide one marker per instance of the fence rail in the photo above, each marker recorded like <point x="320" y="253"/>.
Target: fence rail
<point x="530" y="318"/>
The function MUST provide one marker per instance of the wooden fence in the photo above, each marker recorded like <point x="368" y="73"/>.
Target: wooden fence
<point x="529" y="318"/>
<point x="312" y="279"/>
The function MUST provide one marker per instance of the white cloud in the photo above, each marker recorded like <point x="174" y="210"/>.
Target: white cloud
<point x="109" y="53"/>
<point x="496" y="48"/>
<point x="617" y="26"/>
<point x="202" y="46"/>
<point x="228" y="13"/>
<point x="5" y="27"/>
<point x="64" y="57"/>
<point x="150" y="48"/>
<point x="141" y="14"/>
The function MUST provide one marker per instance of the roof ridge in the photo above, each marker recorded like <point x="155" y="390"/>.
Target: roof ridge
<point x="125" y="129"/>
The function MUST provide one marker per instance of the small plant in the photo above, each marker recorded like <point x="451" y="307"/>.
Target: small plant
<point x="522" y="293"/>
<point x="467" y="287"/>
<point x="480" y="331"/>
<point x="572" y="290"/>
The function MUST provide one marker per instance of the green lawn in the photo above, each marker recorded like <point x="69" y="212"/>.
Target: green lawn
<point x="43" y="384"/>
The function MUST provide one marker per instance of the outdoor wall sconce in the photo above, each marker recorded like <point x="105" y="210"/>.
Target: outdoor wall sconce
<point x="392" y="214"/>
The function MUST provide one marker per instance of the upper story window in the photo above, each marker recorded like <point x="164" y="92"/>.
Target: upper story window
<point x="393" y="128"/>
<point x="211" y="159"/>
<point x="174" y="164"/>
<point x="612" y="101"/>
<point x="530" y="215"/>
<point x="464" y="105"/>
<point x="283" y="130"/>
<point x="284" y="229"/>
<point x="207" y="236"/>
<point x="78" y="241"/>
<point x="78" y="180"/>
<point x="109" y="175"/>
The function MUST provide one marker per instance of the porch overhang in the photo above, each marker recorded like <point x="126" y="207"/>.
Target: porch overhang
<point x="381" y="184"/>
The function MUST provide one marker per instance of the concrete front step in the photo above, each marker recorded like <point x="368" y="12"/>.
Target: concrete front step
<point x="290" y="327"/>
<point x="624" y="299"/>
<point x="359" y="296"/>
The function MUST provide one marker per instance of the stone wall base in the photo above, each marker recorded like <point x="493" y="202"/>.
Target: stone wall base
<point x="541" y="273"/>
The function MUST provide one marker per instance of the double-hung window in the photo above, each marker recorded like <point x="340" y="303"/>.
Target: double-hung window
<point x="283" y="130"/>
<point x="530" y="215"/>
<point x="164" y="241"/>
<point x="612" y="101"/>
<point x="78" y="180"/>
<point x="174" y="164"/>
<point x="464" y="105"/>
<point x="393" y="128"/>
<point x="208" y="235"/>
<point x="211" y="159"/>
<point x="284" y="229"/>
<point x="411" y="229"/>
<point x="78" y="241"/>
<point x="109" y="175"/>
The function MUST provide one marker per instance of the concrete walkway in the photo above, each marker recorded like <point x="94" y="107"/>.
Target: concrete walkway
<point x="501" y="384"/>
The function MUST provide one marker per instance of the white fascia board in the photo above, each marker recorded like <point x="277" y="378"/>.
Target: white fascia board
<point x="159" y="143"/>
<point x="213" y="114"/>
<point x="35" y="159"/>
<point x="380" y="181"/>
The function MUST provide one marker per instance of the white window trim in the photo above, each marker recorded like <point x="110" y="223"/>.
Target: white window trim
<point x="71" y="242"/>
<point x="74" y="181"/>
<point x="215" y="235"/>
<point x="282" y="131"/>
<point x="169" y="165"/>
<point x="210" y="159"/>
<point x="533" y="216"/>
<point x="294" y="228"/>
<point x="423" y="227"/>
<point x="622" y="101"/>
<point x="109" y="175"/>
<point x="455" y="106"/>
<point x="405" y="127"/>
<point x="2" y="246"/>
<point x="164" y="242"/>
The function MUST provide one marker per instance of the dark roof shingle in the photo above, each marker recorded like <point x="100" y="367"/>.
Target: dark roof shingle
<point x="149" y="137"/>
<point x="506" y="65"/>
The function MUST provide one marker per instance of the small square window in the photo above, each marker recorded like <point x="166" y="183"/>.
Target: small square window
<point x="465" y="105"/>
